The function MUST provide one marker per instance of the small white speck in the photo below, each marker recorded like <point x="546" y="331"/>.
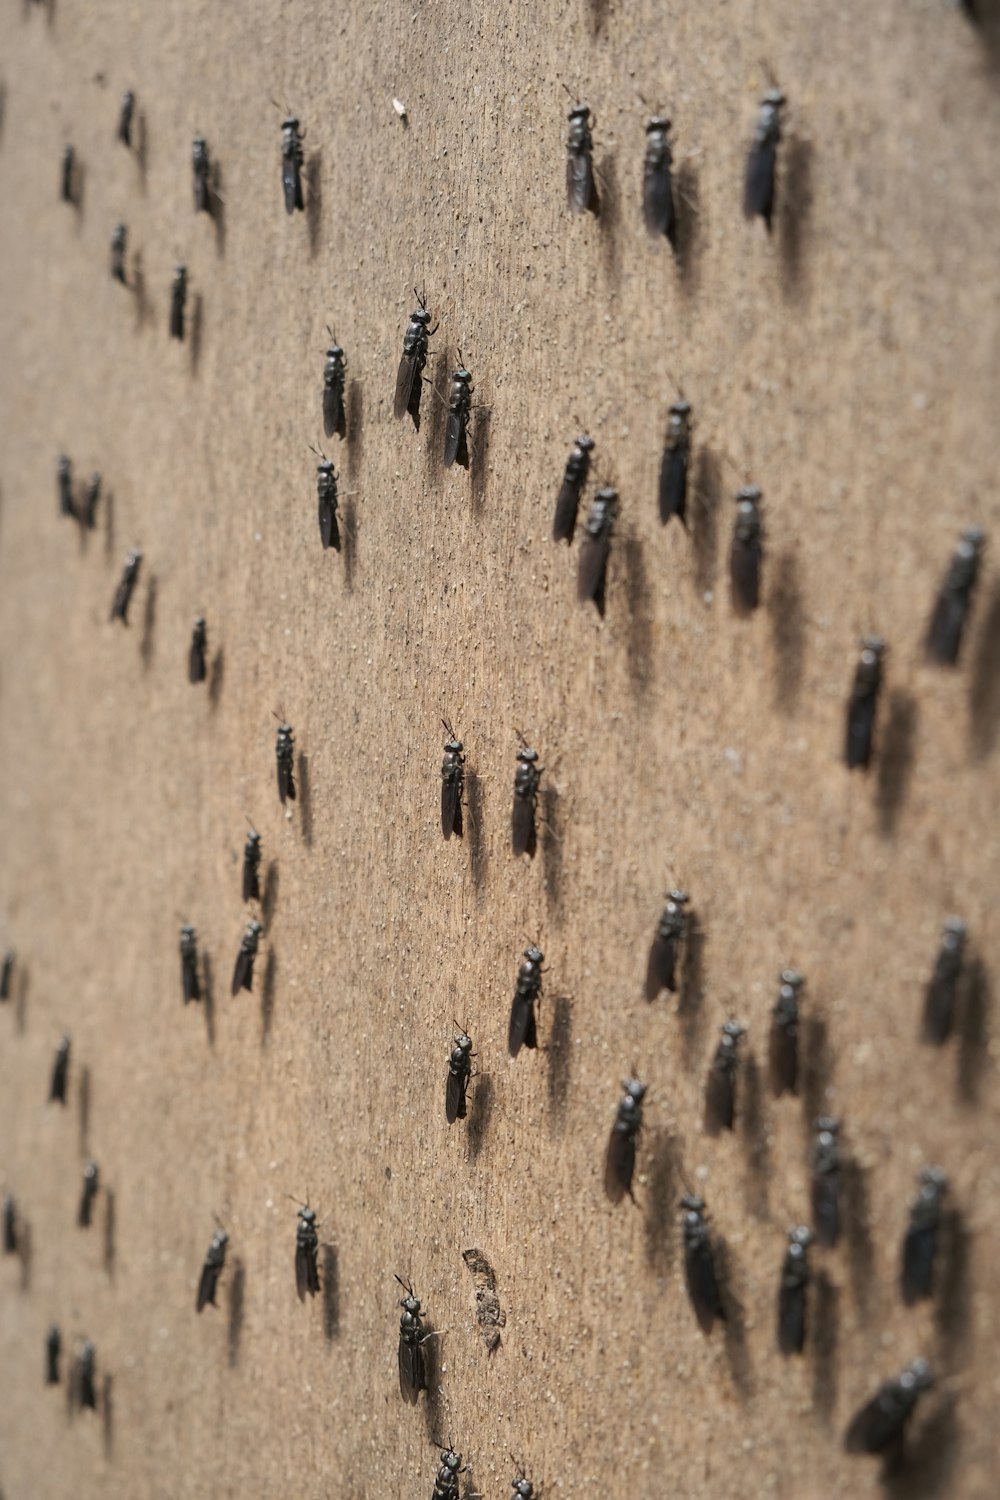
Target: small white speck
<point x="400" y="108"/>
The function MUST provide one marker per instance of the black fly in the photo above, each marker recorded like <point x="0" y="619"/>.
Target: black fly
<point x="568" y="499"/>
<point x="916" y="1277"/>
<point x="409" y="377"/>
<point x="178" y="297"/>
<point x="619" y="1160"/>
<point x="291" y="164"/>
<point x="53" y="1349"/>
<point x="580" y="190"/>
<point x="251" y="866"/>
<point x="459" y="1073"/>
<point x="595" y="547"/>
<point x="64" y="482"/>
<point x="825" y="1185"/>
<point x="123" y="593"/>
<point x="9" y="1224"/>
<point x="758" y="193"/>
<point x="243" y="968"/>
<point x="783" y="1043"/>
<point x="661" y="969"/>
<point x="284" y="754"/>
<point x="452" y="781"/>
<point x="87" y="510"/>
<point x="720" y="1086"/>
<point x="215" y="1259"/>
<point x="326" y="497"/>
<point x="522" y="1486"/>
<point x="196" y="652"/>
<point x="126" y="111"/>
<point x="526" y="779"/>
<point x="792" y="1291"/>
<point x="83" y="1389"/>
<point x="674" y="464"/>
<point x="412" y="1338"/>
<point x="699" y="1264"/>
<point x="189" y="963"/>
<point x="91" y="1185"/>
<point x="60" y="1072"/>
<point x="119" y="236"/>
<point x="944" y="634"/>
<point x="201" y="170"/>
<point x="455" y="433"/>
<point x="746" y="551"/>
<point x="6" y="970"/>
<point x="306" y="1252"/>
<point x="939" y="1002"/>
<point x="333" y="390"/>
<point x="66" y="192"/>
<point x="446" y="1482"/>
<point x="522" y="1031"/>
<point x="881" y="1422"/>
<point x="863" y="702"/>
<point x="657" y="188"/>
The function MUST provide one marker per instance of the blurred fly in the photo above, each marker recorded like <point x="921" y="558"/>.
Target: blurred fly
<point x="60" y="1072"/>
<point x="284" y="755"/>
<point x="746" y="552"/>
<point x="291" y="164"/>
<point x="178" y="297"/>
<point x="792" y="1291"/>
<point x="581" y="194"/>
<point x="916" y="1277"/>
<point x="123" y="593"/>
<point x="619" y="1160"/>
<point x="699" y="1264"/>
<point x="944" y="634"/>
<point x="83" y="1390"/>
<point x="53" y="1349"/>
<point x="215" y="1259"/>
<point x="758" y="192"/>
<point x="459" y="1073"/>
<point x="568" y="499"/>
<point x="64" y="482"/>
<point x="9" y="1224"/>
<point x="6" y="970"/>
<point x="201" y="175"/>
<point x="189" y="964"/>
<point x="333" y="390"/>
<point x="306" y="1252"/>
<point x="66" y="191"/>
<point x="251" y="866"/>
<point x="86" y="512"/>
<point x="825" y="1185"/>
<point x="526" y="779"/>
<point x="452" y="781"/>
<point x="595" y="547"/>
<point x="522" y="1031"/>
<point x="881" y="1422"/>
<point x="939" y="1001"/>
<point x="196" y="652"/>
<point x="783" y="1042"/>
<point x="91" y="1186"/>
<point x="863" y="702"/>
<point x="674" y="464"/>
<point x="243" y="968"/>
<point x="720" y="1087"/>
<point x="119" y="236"/>
<point x="126" y="112"/>
<point x="661" y="968"/>
<point x="657" y="187"/>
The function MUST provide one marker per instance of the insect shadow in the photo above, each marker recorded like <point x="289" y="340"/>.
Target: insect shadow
<point x="314" y="200"/>
<point x="195" y="325"/>
<point x="953" y="1304"/>
<point x="480" y="1112"/>
<point x="662" y="1194"/>
<point x="897" y="755"/>
<point x="823" y="1342"/>
<point x="640" y="615"/>
<point x="788" y="630"/>
<point x="21" y="999"/>
<point x="973" y="1048"/>
<point x="25" y="1252"/>
<point x="142" y="147"/>
<point x="355" y="427"/>
<point x="857" y="1230"/>
<point x="216" y="676"/>
<point x="267" y="997"/>
<point x="217" y="204"/>
<point x="925" y="1466"/>
<point x="756" y="1150"/>
<point x="480" y="445"/>
<point x="432" y="1373"/>
<point x="608" y="212"/>
<point x="734" y="1325"/>
<point x="478" y="852"/>
<point x="690" y="1009"/>
<point x="559" y="1055"/>
<point x="107" y="1415"/>
<point x="688" y="233"/>
<point x="269" y="899"/>
<point x="705" y="519"/>
<point x="330" y="1289"/>
<point x="208" y="997"/>
<point x="147" y="642"/>
<point x="110" y="1244"/>
<point x="83" y="1108"/>
<point x="551" y="845"/>
<point x="237" y="1297"/>
<point x="796" y="208"/>
<point x="984" y="682"/>
<point x="305" y="799"/>
<point x="816" y="1072"/>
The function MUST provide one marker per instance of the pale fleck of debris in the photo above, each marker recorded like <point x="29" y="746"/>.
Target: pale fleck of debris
<point x="400" y="108"/>
<point x="735" y="759"/>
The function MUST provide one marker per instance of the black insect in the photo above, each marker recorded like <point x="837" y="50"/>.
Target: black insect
<point x="674" y="464"/>
<point x="619" y="1160"/>
<point x="333" y="390"/>
<point x="123" y="593"/>
<point x="86" y="512"/>
<point x="251" y="866"/>
<point x="201" y="169"/>
<point x="119" y="235"/>
<point x="178" y="297"/>
<point x="284" y="753"/>
<point x="243" y="968"/>
<point x="758" y="192"/>
<point x="291" y="164"/>
<point x="568" y="499"/>
<point x="522" y="1031"/>
<point x="657" y="187"/>
<point x="522" y="1485"/>
<point x="6" y="970"/>
<point x="661" y="969"/>
<point x="326" y="495"/>
<point x="825" y="1184"/>
<point x="306" y="1252"/>
<point x="526" y="779"/>
<point x="446" y="1483"/>
<point x="939" y="1001"/>
<point x="67" y="176"/>
<point x="53" y="1349"/>
<point x="720" y="1086"/>
<point x="783" y="1043"/>
<point x="452" y="782"/>
<point x="459" y="1073"/>
<point x="412" y="1338"/>
<point x="91" y="1185"/>
<point x="409" y="378"/>
<point x="456" y="427"/>
<point x="64" y="482"/>
<point x="792" y="1291"/>
<point x="189" y="964"/>
<point x="595" y="547"/>
<point x="881" y="1422"/>
<point x="126" y="111"/>
<point x="60" y="1072"/>
<point x="746" y="552"/>
<point x="944" y="634"/>
<point x="863" y="702"/>
<point x="580" y="191"/>
<point x="699" y="1264"/>
<point x="196" y="653"/>
<point x="916" y="1278"/>
<point x="84" y="1387"/>
<point x="9" y="1224"/>
<point x="215" y="1259"/>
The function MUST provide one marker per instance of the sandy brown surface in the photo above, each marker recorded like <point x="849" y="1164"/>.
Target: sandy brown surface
<point x="850" y="367"/>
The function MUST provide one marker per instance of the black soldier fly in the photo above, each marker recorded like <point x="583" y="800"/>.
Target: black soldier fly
<point x="60" y="1072"/>
<point x="326" y="496"/>
<point x="9" y="1224"/>
<point x="595" y="546"/>
<point x="178" y="297"/>
<point x="284" y="754"/>
<point x="792" y="1290"/>
<point x="196" y="652"/>
<point x="126" y="111"/>
<point x="526" y="779"/>
<point x="333" y="389"/>
<point x="699" y="1264"/>
<point x="674" y="464"/>
<point x="881" y="1422"/>
<point x="446" y="1482"/>
<point x="201" y="178"/>
<point x="53" y="1349"/>
<point x="568" y="499"/>
<point x="746" y="551"/>
<point x="6" y="970"/>
<point x="215" y="1259"/>
<point x="522" y="1487"/>
<point x="452" y="782"/>
<point x="459" y="1073"/>
<point x="661" y="968"/>
<point x="412" y="1338"/>
<point x="243" y="968"/>
<point x="119" y="235"/>
<point x="306" y="1251"/>
<point x="251" y="866"/>
<point x="64" y="482"/>
<point x="758" y="192"/>
<point x="863" y="702"/>
<point x="657" y="187"/>
<point x="944" y="634"/>
<point x="67" y="176"/>
<point x="522" y="1031"/>
<point x="939" y="1000"/>
<point x="619" y="1160"/>
<point x="123" y="593"/>
<point x="86" y="512"/>
<point x="916" y="1278"/>
<point x="83" y="1389"/>
<point x="190" y="987"/>
<point x="291" y="164"/>
<point x="783" y="1042"/>
<point x="456" y="428"/>
<point x="720" y="1086"/>
<point x="581" y="193"/>
<point x="825" y="1184"/>
<point x="91" y="1186"/>
<point x="409" y="377"/>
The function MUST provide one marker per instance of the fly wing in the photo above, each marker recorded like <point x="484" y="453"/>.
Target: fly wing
<point x="453" y="437"/>
<point x="703" y="1286"/>
<point x="454" y="1098"/>
<point x="206" y="1286"/>
<point x="450" y="803"/>
<point x="291" y="184"/>
<point x="283" y="779"/>
<point x="939" y="1009"/>
<point x="673" y="485"/>
<point x="522" y="1025"/>
<point x="242" y="972"/>
<point x="660" y="970"/>
<point x="720" y="1101"/>
<point x="783" y="1060"/>
<point x="744" y="573"/>
<point x="567" y="504"/>
<point x="658" y="201"/>
<point x="875" y="1425"/>
<point x="826" y="1207"/>
<point x="404" y="384"/>
<point x="579" y="181"/>
<point x="522" y="828"/>
<point x="333" y="410"/>
<point x="411" y="1371"/>
<point x="196" y="663"/>
<point x="119" y="605"/>
<point x="860" y="723"/>
<point x="791" y="1319"/>
<point x="917" y="1272"/>
<point x="176" y="318"/>
<point x="944" y="634"/>
<point x="189" y="977"/>
<point x="251" y="881"/>
<point x="758" y="193"/>
<point x="593" y="561"/>
<point x="619" y="1164"/>
<point x="327" y="523"/>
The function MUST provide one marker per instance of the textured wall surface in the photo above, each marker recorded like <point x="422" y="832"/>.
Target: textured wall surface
<point x="849" y="366"/>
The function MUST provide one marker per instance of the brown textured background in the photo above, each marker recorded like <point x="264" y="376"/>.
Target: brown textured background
<point x="850" y="367"/>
